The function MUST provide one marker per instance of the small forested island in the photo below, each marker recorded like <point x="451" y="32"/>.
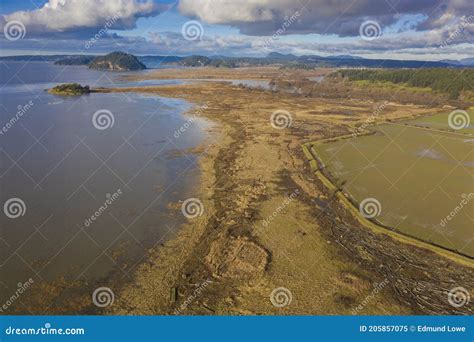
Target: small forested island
<point x="70" y="89"/>
<point x="117" y="61"/>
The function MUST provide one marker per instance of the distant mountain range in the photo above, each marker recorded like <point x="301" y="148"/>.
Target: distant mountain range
<point x="356" y="61"/>
<point x="273" y="58"/>
<point x="462" y="62"/>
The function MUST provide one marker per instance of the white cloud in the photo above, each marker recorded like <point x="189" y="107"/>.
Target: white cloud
<point x="70" y="15"/>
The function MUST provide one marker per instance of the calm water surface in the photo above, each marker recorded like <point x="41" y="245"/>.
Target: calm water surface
<point x="64" y="169"/>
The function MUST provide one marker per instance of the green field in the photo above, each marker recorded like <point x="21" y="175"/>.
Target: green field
<point x="441" y="121"/>
<point x="419" y="176"/>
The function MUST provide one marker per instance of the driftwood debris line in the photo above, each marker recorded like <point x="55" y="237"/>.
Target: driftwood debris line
<point x="417" y="281"/>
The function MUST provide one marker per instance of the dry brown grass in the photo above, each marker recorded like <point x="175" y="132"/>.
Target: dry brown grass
<point x="246" y="176"/>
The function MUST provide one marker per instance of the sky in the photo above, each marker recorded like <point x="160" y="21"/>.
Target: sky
<point x="394" y="29"/>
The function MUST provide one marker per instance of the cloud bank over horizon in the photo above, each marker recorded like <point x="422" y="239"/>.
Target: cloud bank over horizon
<point x="423" y="29"/>
<point x="339" y="17"/>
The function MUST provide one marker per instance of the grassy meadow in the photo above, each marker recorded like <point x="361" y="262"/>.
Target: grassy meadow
<point x="418" y="175"/>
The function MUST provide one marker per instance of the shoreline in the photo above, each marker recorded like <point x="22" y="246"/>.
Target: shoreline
<point x="175" y="249"/>
<point x="52" y="298"/>
<point x="200" y="253"/>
